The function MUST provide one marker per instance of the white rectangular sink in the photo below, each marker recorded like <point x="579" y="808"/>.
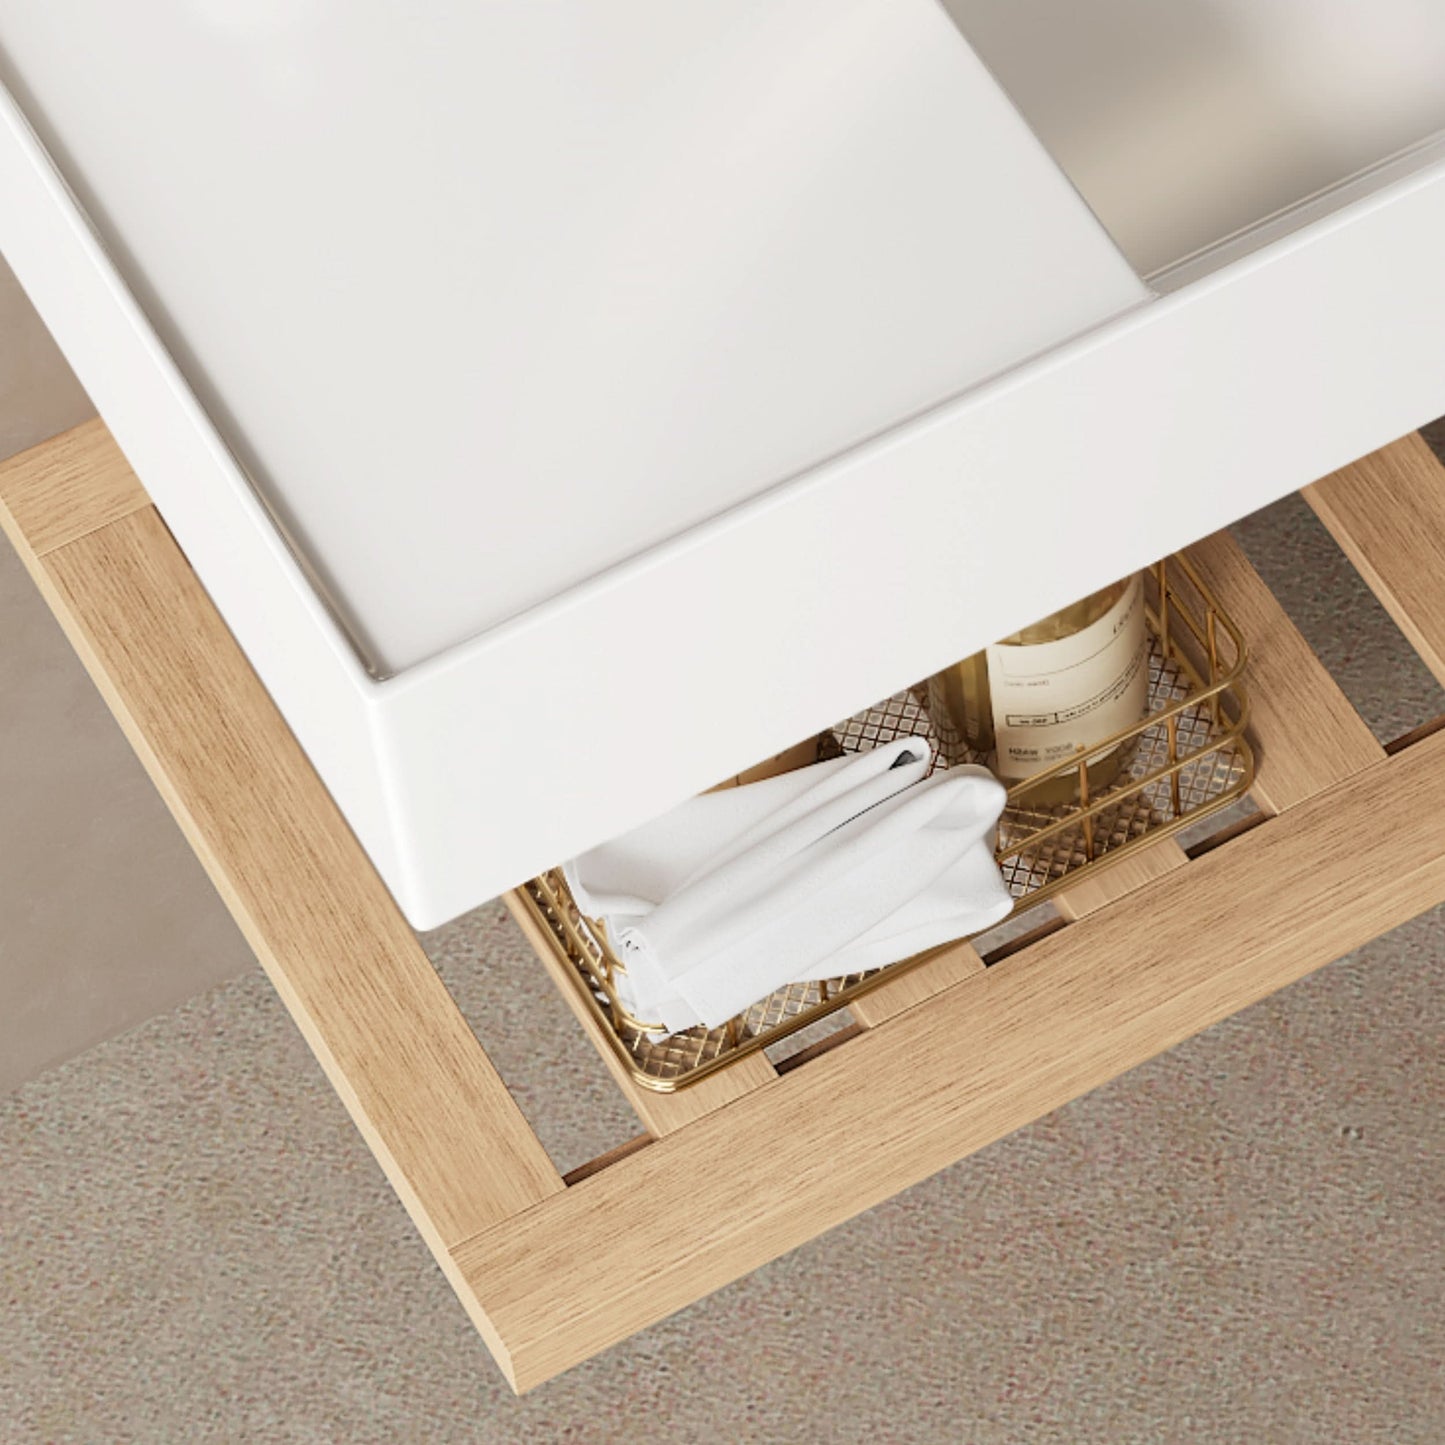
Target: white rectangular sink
<point x="569" y="405"/>
<point x="511" y="293"/>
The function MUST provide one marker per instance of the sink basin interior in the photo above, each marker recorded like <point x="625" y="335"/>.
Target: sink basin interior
<point x="491" y="300"/>
<point x="1184" y="123"/>
<point x="562" y="289"/>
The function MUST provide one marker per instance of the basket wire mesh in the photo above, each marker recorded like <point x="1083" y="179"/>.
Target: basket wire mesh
<point x="1189" y="759"/>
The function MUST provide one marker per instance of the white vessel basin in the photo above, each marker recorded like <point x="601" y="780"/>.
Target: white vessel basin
<point x="488" y="299"/>
<point x="569" y="405"/>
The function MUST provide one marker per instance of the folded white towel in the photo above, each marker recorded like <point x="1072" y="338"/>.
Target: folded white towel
<point x="825" y="871"/>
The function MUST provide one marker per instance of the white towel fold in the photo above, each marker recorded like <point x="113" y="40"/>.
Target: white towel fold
<point x="829" y="870"/>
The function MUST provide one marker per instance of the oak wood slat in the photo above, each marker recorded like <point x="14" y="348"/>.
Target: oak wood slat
<point x="1305" y="732"/>
<point x="298" y="882"/>
<point x="60" y="490"/>
<point x="955" y="964"/>
<point x="893" y="1105"/>
<point x="1119" y="879"/>
<point x="348" y="967"/>
<point x="1387" y="512"/>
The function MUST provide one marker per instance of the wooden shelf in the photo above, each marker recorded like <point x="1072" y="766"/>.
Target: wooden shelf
<point x="552" y="1269"/>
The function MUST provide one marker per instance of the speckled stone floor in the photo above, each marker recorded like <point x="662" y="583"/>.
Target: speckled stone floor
<point x="1240" y="1241"/>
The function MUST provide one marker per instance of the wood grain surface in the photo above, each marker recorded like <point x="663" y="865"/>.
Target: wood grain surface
<point x="902" y="1100"/>
<point x="1387" y="512"/>
<point x="1117" y="880"/>
<point x="757" y="1161"/>
<point x="1305" y="732"/>
<point x="348" y="967"/>
<point x="955" y="964"/>
<point x="66" y="487"/>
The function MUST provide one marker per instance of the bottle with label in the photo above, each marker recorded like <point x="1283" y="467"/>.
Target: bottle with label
<point x="1051" y="691"/>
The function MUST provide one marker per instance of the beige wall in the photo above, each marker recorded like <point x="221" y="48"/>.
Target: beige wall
<point x="105" y="917"/>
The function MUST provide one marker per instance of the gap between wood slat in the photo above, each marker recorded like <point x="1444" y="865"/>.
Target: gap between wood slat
<point x="1227" y="834"/>
<point x="1011" y="947"/>
<point x="1415" y="735"/>
<point x="606" y="1160"/>
<point x="819" y="1047"/>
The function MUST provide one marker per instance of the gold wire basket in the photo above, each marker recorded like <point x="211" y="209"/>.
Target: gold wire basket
<point x="1189" y="759"/>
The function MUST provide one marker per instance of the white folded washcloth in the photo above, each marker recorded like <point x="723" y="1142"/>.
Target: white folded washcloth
<point x="829" y="870"/>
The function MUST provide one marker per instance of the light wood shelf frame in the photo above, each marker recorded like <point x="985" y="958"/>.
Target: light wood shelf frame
<point x="953" y="1056"/>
